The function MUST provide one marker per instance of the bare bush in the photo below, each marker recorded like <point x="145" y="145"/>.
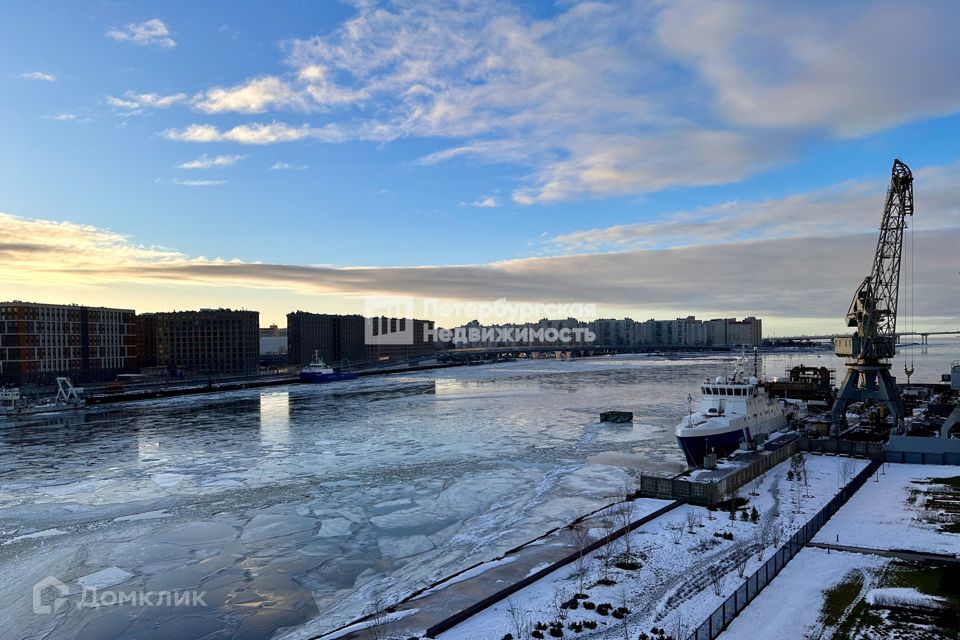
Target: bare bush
<point x="520" y="620"/>
<point x="717" y="578"/>
<point x="691" y="521"/>
<point x="556" y="603"/>
<point x="378" y="617"/>
<point x="761" y="538"/>
<point x="776" y="533"/>
<point x="676" y="531"/>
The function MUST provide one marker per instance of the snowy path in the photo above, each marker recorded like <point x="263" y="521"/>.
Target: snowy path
<point x="895" y="505"/>
<point x="790" y="607"/>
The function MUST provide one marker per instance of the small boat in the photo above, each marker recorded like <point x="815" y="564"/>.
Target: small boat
<point x="68" y="398"/>
<point x="318" y="372"/>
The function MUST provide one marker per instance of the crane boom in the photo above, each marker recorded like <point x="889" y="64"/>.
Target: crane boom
<point x="873" y="310"/>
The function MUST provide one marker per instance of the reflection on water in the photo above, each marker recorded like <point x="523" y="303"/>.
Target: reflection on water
<point x="275" y="418"/>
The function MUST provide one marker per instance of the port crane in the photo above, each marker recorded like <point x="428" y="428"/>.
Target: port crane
<point x="873" y="311"/>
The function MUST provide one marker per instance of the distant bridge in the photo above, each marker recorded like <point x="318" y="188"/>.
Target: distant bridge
<point x="924" y="336"/>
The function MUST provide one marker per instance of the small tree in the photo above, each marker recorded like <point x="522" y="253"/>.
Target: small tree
<point x="581" y="564"/>
<point x="761" y="538"/>
<point x="754" y="515"/>
<point x="744" y="516"/>
<point x="757" y="483"/>
<point x="624" y="518"/>
<point x="741" y="556"/>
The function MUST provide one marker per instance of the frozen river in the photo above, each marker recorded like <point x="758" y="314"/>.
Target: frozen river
<point x="293" y="507"/>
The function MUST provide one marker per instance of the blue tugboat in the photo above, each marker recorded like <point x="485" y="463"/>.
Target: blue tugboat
<point x="318" y="372"/>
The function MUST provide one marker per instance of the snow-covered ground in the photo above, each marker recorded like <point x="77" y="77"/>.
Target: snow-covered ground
<point x="673" y="586"/>
<point x="892" y="513"/>
<point x="790" y="606"/>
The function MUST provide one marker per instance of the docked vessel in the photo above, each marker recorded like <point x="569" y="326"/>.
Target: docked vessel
<point x="732" y="410"/>
<point x="68" y="398"/>
<point x="318" y="372"/>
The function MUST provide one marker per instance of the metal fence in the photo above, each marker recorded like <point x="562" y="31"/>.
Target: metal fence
<point x="712" y="492"/>
<point x="714" y="625"/>
<point x="856" y="449"/>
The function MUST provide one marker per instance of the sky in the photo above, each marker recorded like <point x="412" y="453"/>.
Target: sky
<point x="655" y="159"/>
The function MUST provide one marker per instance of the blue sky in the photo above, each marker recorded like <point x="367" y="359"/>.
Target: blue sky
<point x="507" y="139"/>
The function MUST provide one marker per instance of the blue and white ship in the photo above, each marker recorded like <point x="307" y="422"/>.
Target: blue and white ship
<point x="732" y="410"/>
<point x="318" y="372"/>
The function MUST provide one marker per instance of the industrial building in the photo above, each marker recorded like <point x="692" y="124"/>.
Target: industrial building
<point x="206" y="342"/>
<point x="39" y="342"/>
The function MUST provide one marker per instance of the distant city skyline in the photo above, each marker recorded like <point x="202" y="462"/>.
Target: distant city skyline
<point x="656" y="160"/>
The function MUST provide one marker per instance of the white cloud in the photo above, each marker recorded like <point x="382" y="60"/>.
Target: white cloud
<point x="255" y="96"/>
<point x="852" y="69"/>
<point x="286" y="166"/>
<point x="149" y="33"/>
<point x="121" y="103"/>
<point x="215" y="162"/>
<point x="135" y="103"/>
<point x="486" y="202"/>
<point x="254" y="133"/>
<point x="843" y="209"/>
<point x="198" y="183"/>
<point x="606" y="98"/>
<point x="65" y="117"/>
<point x="39" y="75"/>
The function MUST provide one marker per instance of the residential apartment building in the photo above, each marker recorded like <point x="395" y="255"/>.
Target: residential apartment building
<point x="338" y="339"/>
<point x="206" y="342"/>
<point x="39" y="342"/>
<point x="417" y="338"/>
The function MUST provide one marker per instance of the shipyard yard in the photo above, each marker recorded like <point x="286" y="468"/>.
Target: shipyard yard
<point x="293" y="508"/>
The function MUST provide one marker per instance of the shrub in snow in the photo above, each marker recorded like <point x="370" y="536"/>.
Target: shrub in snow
<point x="589" y="605"/>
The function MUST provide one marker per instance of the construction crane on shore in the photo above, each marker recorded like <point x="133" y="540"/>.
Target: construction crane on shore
<point x="873" y="312"/>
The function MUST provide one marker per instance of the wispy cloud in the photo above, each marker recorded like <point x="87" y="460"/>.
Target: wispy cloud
<point x="133" y="103"/>
<point x="605" y="98"/>
<point x="65" y="117"/>
<point x="198" y="183"/>
<point x="486" y="202"/>
<point x="152" y="32"/>
<point x="255" y="133"/>
<point x="843" y="209"/>
<point x="286" y="166"/>
<point x="214" y="162"/>
<point x="39" y="75"/>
